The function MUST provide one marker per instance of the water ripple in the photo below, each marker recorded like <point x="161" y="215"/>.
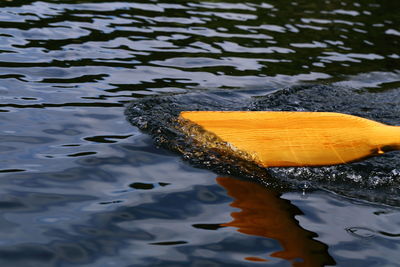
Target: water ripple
<point x="120" y="35"/>
<point x="79" y="184"/>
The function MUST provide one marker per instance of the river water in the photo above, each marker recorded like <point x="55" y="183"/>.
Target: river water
<point x="90" y="170"/>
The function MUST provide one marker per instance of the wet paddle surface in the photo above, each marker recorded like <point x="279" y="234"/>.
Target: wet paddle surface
<point x="94" y="171"/>
<point x="374" y="179"/>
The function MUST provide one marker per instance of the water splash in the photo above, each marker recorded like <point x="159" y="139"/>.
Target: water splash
<point x="375" y="179"/>
<point x="159" y="117"/>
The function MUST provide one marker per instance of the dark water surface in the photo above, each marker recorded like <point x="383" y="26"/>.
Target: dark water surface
<point x="80" y="185"/>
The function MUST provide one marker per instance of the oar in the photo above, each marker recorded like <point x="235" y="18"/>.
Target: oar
<point x="277" y="139"/>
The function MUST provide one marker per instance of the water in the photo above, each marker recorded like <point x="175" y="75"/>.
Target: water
<point x="81" y="185"/>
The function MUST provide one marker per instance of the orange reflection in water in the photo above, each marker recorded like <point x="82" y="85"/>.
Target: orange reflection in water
<point x="264" y="213"/>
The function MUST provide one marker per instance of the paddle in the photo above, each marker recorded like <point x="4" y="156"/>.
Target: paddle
<point x="283" y="139"/>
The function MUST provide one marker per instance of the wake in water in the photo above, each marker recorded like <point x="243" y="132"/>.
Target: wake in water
<point x="375" y="179"/>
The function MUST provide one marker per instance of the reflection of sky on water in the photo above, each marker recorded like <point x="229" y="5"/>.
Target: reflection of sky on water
<point x="358" y="232"/>
<point x="80" y="185"/>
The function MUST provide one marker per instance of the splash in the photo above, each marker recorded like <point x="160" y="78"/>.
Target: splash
<point x="158" y="116"/>
<point x="375" y="179"/>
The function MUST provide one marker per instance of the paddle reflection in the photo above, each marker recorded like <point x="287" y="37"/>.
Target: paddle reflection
<point x="263" y="213"/>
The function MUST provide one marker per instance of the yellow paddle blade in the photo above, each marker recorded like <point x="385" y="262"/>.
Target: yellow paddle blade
<point x="278" y="139"/>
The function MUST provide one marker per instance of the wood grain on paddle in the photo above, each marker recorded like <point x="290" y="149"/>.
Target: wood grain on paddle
<point x="275" y="138"/>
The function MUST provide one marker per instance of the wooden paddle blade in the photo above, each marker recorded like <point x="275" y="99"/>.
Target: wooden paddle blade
<point x="277" y="139"/>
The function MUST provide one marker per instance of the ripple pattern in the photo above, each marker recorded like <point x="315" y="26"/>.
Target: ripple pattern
<point x="100" y="52"/>
<point x="80" y="185"/>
